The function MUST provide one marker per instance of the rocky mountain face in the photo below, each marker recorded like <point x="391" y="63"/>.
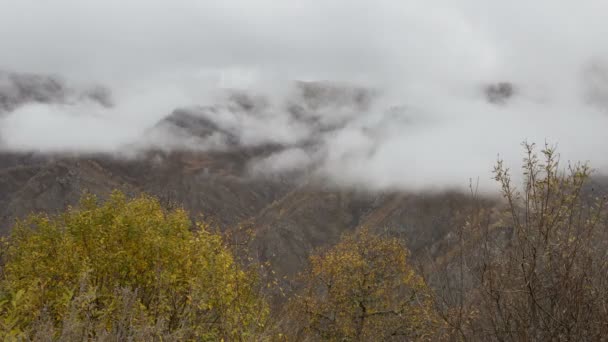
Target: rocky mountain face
<point x="289" y="220"/>
<point x="291" y="213"/>
<point x="17" y="89"/>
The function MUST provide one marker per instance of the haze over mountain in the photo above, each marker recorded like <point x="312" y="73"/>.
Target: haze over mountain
<point x="304" y="119"/>
<point x="431" y="66"/>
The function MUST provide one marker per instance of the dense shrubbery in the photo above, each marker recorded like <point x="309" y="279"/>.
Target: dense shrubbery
<point x="129" y="270"/>
<point x="551" y="280"/>
<point x="364" y="289"/>
<point x="537" y="270"/>
<point x="125" y="269"/>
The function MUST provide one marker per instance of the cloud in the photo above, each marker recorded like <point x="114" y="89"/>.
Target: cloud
<point x="429" y="62"/>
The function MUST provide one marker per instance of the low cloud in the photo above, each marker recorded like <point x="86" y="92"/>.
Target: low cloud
<point x="422" y="93"/>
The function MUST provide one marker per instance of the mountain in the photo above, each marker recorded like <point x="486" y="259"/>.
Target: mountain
<point x="289" y="220"/>
<point x="290" y="212"/>
<point x="18" y="89"/>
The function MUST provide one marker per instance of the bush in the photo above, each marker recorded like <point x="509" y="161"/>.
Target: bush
<point x="363" y="289"/>
<point x="124" y="269"/>
<point x="537" y="270"/>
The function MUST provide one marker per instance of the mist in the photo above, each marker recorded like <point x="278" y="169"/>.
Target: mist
<point x="426" y="65"/>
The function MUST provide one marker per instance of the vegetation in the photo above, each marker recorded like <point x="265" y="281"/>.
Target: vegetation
<point x="533" y="268"/>
<point x="364" y="289"/>
<point x="551" y="281"/>
<point x="537" y="270"/>
<point x="122" y="270"/>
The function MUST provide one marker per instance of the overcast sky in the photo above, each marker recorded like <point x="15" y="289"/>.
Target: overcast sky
<point x="301" y="38"/>
<point x="431" y="54"/>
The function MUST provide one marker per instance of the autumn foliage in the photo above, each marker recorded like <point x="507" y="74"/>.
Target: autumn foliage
<point x="364" y="289"/>
<point x="533" y="267"/>
<point x="121" y="270"/>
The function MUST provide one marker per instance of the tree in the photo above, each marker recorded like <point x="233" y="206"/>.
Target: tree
<point x="538" y="269"/>
<point x="125" y="269"/>
<point x="363" y="289"/>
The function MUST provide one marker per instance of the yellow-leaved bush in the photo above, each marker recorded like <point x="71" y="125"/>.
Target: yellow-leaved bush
<point x="364" y="289"/>
<point x="124" y="269"/>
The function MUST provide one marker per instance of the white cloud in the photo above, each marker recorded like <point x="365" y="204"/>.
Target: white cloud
<point x="430" y="55"/>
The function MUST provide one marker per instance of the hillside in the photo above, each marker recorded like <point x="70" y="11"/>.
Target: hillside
<point x="210" y="170"/>
<point x="289" y="220"/>
<point x="292" y="212"/>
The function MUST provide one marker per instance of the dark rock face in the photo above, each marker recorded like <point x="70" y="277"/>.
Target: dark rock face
<point x="242" y="101"/>
<point x="499" y="93"/>
<point x="195" y="122"/>
<point x="315" y="95"/>
<point x="98" y="94"/>
<point x="18" y="89"/>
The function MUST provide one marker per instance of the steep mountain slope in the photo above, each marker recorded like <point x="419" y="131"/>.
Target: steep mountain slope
<point x="305" y="219"/>
<point x="289" y="220"/>
<point x="18" y="89"/>
<point x="208" y="171"/>
<point x="203" y="184"/>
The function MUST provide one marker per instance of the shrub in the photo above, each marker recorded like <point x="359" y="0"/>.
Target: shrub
<point x="363" y="289"/>
<point x="125" y="269"/>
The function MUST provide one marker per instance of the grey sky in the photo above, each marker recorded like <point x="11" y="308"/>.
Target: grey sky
<point x="300" y="38"/>
<point x="430" y="54"/>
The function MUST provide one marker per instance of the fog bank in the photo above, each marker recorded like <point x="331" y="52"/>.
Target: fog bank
<point x="436" y="114"/>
